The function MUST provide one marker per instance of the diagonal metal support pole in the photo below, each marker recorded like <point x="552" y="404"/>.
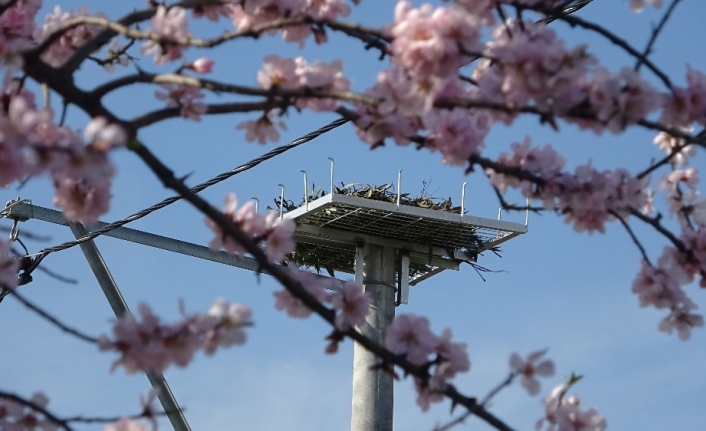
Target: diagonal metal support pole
<point x="117" y="303"/>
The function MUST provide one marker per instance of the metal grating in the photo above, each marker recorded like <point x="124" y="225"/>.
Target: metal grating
<point x="336" y="222"/>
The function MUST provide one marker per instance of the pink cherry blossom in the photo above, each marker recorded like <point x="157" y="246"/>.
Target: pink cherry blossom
<point x="428" y="41"/>
<point x="639" y="5"/>
<point x="103" y="136"/>
<point x="456" y="134"/>
<point x="277" y="72"/>
<point x="429" y="392"/>
<point x="126" y="424"/>
<point x="201" y="65"/>
<point x="17" y="417"/>
<point x="320" y="76"/>
<point x="185" y="97"/>
<point x="229" y="324"/>
<point x="453" y="357"/>
<point x="669" y="144"/>
<point x="263" y="129"/>
<point x="410" y="335"/>
<point x="280" y="237"/>
<point x="245" y="217"/>
<point x="82" y="199"/>
<point x="115" y="55"/>
<point x="171" y="23"/>
<point x="529" y="369"/>
<point x="564" y="413"/>
<point x="146" y="343"/>
<point x="352" y="303"/>
<point x="61" y="50"/>
<point x="526" y="62"/>
<point x="683" y="320"/>
<point x="316" y="286"/>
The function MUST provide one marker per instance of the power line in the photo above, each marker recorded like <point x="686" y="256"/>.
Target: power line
<point x="196" y="189"/>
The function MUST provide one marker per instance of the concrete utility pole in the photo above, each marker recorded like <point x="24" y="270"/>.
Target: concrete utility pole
<point x="373" y="390"/>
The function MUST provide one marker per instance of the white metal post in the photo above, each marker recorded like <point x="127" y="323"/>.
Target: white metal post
<point x="373" y="389"/>
<point x="117" y="303"/>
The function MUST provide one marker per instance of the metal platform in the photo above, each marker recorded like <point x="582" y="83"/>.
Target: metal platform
<point x="332" y="225"/>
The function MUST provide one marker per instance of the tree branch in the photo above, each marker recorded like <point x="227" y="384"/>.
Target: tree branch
<point x="51" y="319"/>
<point x="655" y="33"/>
<point x="27" y="403"/>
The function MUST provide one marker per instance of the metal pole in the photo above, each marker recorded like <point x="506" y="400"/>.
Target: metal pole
<point x="373" y="390"/>
<point x="117" y="303"/>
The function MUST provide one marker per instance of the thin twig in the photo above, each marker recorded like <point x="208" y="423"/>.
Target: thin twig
<point x="632" y="236"/>
<point x="37" y="408"/>
<point x="56" y="322"/>
<point x="655" y="33"/>
<point x="618" y="41"/>
<point x="496" y="390"/>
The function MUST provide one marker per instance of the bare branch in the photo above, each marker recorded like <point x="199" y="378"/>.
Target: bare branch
<point x="655" y="33"/>
<point x="229" y="228"/>
<point x="56" y="322"/>
<point x="216" y="108"/>
<point x="618" y="41"/>
<point x="37" y="408"/>
<point x="632" y="236"/>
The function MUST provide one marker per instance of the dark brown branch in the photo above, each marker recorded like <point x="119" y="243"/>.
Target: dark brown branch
<point x="170" y="181"/>
<point x="53" y="320"/>
<point x="104" y="37"/>
<point x="217" y="108"/>
<point x="655" y="33"/>
<point x="39" y="409"/>
<point x="618" y="41"/>
<point x="462" y="418"/>
<point x="632" y="236"/>
<point x="655" y="223"/>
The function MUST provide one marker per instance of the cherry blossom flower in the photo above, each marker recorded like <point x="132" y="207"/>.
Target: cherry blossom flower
<point x="352" y="304"/>
<point x="15" y="416"/>
<point x="186" y="97"/>
<point x="82" y="199"/>
<point x="428" y="41"/>
<point x="453" y="357"/>
<point x="564" y="413"/>
<point x="201" y="65"/>
<point x="639" y="5"/>
<point x="529" y="369"/>
<point x="683" y="321"/>
<point x="146" y="343"/>
<point x="104" y="136"/>
<point x="280" y="237"/>
<point x="116" y="55"/>
<point x="126" y="424"/>
<point x="410" y="335"/>
<point x="263" y="129"/>
<point x="277" y="72"/>
<point x="320" y="76"/>
<point x="456" y="134"/>
<point x="170" y="23"/>
<point x="230" y="319"/>
<point x="316" y="286"/>
<point x="669" y="144"/>
<point x="61" y="50"/>
<point x="245" y="217"/>
<point x="429" y="392"/>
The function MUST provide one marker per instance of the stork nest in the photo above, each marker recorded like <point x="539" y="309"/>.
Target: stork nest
<point x="318" y="257"/>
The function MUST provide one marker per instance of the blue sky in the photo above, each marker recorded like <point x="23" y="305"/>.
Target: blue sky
<point x="558" y="289"/>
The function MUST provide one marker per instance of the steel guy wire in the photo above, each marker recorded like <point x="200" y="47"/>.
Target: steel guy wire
<point x="196" y="189"/>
